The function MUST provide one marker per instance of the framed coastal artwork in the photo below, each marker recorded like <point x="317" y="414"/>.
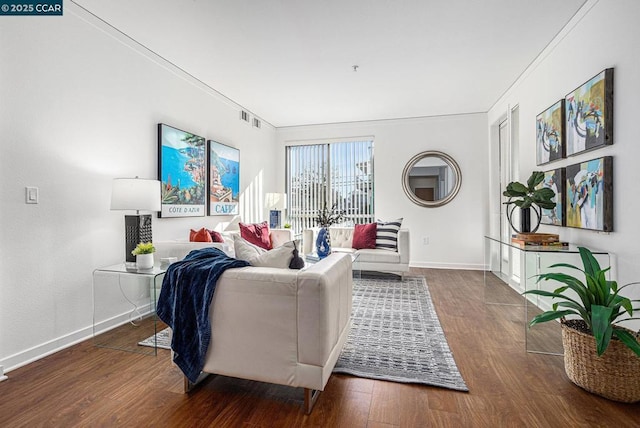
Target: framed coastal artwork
<point x="224" y="179"/>
<point x="554" y="180"/>
<point x="589" y="114"/>
<point x="550" y="134"/>
<point x="589" y="194"/>
<point x="182" y="171"/>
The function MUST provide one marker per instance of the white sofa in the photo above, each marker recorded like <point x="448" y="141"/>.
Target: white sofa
<point x="280" y="326"/>
<point x="180" y="249"/>
<point x="377" y="260"/>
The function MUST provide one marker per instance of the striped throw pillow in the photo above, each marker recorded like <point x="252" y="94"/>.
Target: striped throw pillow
<point x="387" y="234"/>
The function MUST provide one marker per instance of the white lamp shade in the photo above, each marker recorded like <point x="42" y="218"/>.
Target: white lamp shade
<point x="276" y="201"/>
<point x="138" y="194"/>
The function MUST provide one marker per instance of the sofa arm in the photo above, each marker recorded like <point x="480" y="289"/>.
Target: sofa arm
<point x="325" y="292"/>
<point x="404" y="246"/>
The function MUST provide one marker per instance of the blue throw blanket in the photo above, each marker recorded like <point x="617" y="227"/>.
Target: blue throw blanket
<point x="187" y="290"/>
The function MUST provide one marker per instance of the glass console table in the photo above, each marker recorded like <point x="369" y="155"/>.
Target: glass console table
<point x="510" y="270"/>
<point x="124" y="307"/>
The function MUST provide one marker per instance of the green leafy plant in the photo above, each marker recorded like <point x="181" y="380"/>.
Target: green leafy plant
<point x="524" y="196"/>
<point x="327" y="217"/>
<point x="598" y="302"/>
<point x="287" y="226"/>
<point x="144" y="248"/>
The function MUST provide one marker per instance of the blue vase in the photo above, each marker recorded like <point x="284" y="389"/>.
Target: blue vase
<point x="323" y="243"/>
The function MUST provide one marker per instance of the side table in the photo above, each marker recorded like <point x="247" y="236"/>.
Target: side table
<point x="124" y="307"/>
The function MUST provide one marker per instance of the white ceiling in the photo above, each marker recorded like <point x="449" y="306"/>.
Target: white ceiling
<point x="291" y="61"/>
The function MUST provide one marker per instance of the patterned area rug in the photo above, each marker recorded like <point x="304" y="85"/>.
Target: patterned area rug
<point x="396" y="335"/>
<point x="162" y="337"/>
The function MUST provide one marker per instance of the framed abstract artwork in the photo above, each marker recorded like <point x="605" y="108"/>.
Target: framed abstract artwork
<point x="182" y="171"/>
<point x="589" y="114"/>
<point x="589" y="194"/>
<point x="550" y="134"/>
<point x="224" y="179"/>
<point x="555" y="181"/>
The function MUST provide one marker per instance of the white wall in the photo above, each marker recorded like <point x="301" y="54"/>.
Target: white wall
<point x="79" y="106"/>
<point x="605" y="34"/>
<point x="454" y="230"/>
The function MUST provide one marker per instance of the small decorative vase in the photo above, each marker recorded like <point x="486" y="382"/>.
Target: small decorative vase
<point x="144" y="261"/>
<point x="525" y="218"/>
<point x="323" y="243"/>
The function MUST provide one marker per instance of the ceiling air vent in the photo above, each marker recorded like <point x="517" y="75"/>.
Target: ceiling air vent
<point x="257" y="122"/>
<point x="244" y="115"/>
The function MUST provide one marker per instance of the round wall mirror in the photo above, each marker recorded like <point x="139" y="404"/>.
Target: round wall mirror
<point x="431" y="179"/>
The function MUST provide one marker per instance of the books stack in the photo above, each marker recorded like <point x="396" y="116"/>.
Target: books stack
<point x="312" y="257"/>
<point x="536" y="241"/>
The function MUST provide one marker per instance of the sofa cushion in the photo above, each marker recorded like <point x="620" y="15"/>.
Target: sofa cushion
<point x="341" y="237"/>
<point x="387" y="234"/>
<point x="256" y="233"/>
<point x="201" y="235"/>
<point x="216" y="236"/>
<point x="279" y="257"/>
<point x="364" y="236"/>
<point x="377" y="256"/>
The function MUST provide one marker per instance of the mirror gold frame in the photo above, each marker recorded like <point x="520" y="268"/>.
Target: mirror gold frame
<point x="448" y="160"/>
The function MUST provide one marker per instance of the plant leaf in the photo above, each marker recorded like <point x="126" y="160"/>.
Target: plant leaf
<point x="566" y="265"/>
<point x="546" y="205"/>
<point x="628" y="339"/>
<point x="549" y="316"/>
<point x="591" y="266"/>
<point x="601" y="326"/>
<point x="572" y="305"/>
<point x="536" y="178"/>
<point x="625" y="303"/>
<point x="543" y="194"/>
<point x="518" y="189"/>
<point x="572" y="283"/>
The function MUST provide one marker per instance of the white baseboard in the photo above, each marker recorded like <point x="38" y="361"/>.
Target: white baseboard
<point x="460" y="266"/>
<point x="38" y="352"/>
<point x="2" y="376"/>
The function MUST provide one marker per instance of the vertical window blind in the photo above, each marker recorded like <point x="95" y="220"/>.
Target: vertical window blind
<point x="333" y="173"/>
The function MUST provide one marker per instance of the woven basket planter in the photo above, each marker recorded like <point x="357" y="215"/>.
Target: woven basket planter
<point x="614" y="375"/>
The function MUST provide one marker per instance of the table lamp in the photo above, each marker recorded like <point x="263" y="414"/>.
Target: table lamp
<point x="137" y="194"/>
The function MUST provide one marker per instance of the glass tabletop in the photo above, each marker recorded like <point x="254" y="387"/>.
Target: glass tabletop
<point x="570" y="248"/>
<point x="130" y="267"/>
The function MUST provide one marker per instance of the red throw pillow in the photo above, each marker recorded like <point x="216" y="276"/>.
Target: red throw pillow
<point x="257" y="234"/>
<point x="216" y="236"/>
<point x="201" y="235"/>
<point x="364" y="236"/>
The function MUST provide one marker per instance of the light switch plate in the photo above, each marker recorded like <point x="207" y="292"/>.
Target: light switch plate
<point x="31" y="195"/>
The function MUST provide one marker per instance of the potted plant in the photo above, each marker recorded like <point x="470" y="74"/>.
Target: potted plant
<point x="599" y="355"/>
<point x="526" y="197"/>
<point x="326" y="217"/>
<point x="144" y="255"/>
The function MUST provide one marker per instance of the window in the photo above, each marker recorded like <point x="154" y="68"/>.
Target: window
<point x="335" y="173"/>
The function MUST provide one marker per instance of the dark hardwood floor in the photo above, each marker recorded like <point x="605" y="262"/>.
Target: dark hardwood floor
<point x="96" y="387"/>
